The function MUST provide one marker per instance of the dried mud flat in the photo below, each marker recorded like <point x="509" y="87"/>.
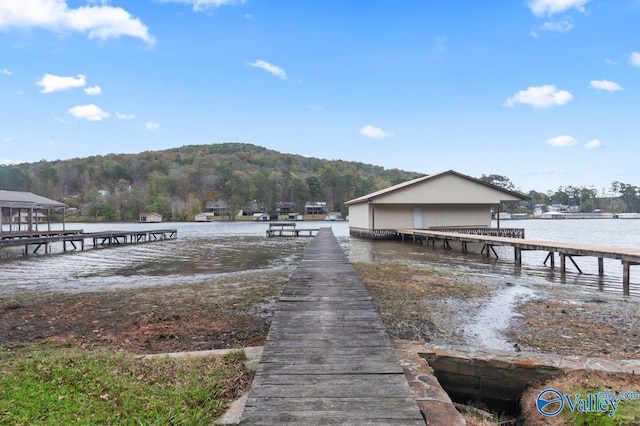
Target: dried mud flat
<point x="229" y="312"/>
<point x="415" y="301"/>
<point x="419" y="303"/>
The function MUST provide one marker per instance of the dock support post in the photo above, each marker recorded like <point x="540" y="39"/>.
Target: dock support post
<point x="625" y="277"/>
<point x="517" y="252"/>
<point x="601" y="266"/>
<point x="563" y="263"/>
<point x="552" y="257"/>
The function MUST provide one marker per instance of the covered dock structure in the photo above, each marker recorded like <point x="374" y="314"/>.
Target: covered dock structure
<point x="29" y="206"/>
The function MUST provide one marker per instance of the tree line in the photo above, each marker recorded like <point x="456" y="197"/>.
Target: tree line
<point x="178" y="183"/>
<point x="619" y="197"/>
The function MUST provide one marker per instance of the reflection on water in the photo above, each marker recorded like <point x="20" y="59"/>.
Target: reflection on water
<point x="205" y="250"/>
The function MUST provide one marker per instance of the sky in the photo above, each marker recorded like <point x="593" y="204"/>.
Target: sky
<point x="545" y="92"/>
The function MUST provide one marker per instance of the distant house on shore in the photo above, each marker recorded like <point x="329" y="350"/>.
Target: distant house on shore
<point x="285" y="207"/>
<point x="261" y="217"/>
<point x="23" y="218"/>
<point x="448" y="199"/>
<point x="333" y="216"/>
<point x="218" y="208"/>
<point x="150" y="218"/>
<point x="205" y="217"/>
<point x="315" y="207"/>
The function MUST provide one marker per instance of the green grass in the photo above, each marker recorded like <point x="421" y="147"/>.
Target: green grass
<point x="54" y="386"/>
<point x="627" y="414"/>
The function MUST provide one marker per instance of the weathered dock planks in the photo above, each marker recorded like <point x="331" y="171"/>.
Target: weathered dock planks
<point x="566" y="251"/>
<point x="328" y="359"/>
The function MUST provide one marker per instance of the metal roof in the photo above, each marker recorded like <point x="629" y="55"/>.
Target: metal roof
<point x="373" y="195"/>
<point x="27" y="200"/>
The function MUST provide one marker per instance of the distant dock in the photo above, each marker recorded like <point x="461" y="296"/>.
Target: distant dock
<point x="34" y="241"/>
<point x="288" y="229"/>
<point x="628" y="257"/>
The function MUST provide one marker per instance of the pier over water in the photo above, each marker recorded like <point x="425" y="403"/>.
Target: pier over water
<point x="328" y="358"/>
<point x="628" y="257"/>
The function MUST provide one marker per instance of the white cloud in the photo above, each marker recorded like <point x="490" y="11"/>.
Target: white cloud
<point x="89" y="112"/>
<point x="374" y="132"/>
<point x="54" y="83"/>
<point x="151" y="125"/>
<point x="7" y="139"/>
<point x="634" y="59"/>
<point x="273" y="69"/>
<point x="594" y="144"/>
<point x="562" y="141"/>
<point x="544" y="96"/>
<point x="101" y="22"/>
<point x="60" y="120"/>
<point x="605" y="85"/>
<point x="8" y="162"/>
<point x="552" y="7"/>
<point x="5" y="71"/>
<point x="200" y="5"/>
<point x="92" y="91"/>
<point x="120" y="116"/>
<point x="562" y="26"/>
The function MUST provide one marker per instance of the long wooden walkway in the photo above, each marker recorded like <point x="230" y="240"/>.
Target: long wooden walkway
<point x="40" y="239"/>
<point x="328" y="359"/>
<point x="566" y="251"/>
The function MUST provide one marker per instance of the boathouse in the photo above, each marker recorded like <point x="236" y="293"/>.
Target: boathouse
<point x="447" y="199"/>
<point x="150" y="218"/>
<point x="22" y="210"/>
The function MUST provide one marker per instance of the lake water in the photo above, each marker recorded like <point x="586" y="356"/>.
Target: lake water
<point x="205" y="250"/>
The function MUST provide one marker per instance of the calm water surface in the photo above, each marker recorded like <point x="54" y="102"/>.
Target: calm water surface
<point x="206" y="250"/>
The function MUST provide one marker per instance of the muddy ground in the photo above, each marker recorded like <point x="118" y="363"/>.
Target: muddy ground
<point x="416" y="303"/>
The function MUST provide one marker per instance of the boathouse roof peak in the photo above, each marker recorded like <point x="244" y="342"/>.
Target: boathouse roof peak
<point x="370" y="197"/>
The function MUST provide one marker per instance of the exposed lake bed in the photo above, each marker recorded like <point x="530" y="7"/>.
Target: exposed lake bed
<point x="216" y="287"/>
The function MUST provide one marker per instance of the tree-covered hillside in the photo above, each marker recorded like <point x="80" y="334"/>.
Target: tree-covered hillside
<point x="178" y="183"/>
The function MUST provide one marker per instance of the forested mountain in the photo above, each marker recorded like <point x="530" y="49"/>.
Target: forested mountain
<point x="178" y="183"/>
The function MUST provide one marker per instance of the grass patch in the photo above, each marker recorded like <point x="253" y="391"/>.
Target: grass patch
<point x="584" y="383"/>
<point x="53" y="386"/>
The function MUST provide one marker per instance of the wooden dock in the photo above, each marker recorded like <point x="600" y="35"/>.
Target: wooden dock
<point x="288" y="229"/>
<point x="34" y="241"/>
<point x="628" y="257"/>
<point x="328" y="359"/>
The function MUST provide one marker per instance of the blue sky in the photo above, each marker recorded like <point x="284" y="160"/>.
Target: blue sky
<point x="545" y="92"/>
